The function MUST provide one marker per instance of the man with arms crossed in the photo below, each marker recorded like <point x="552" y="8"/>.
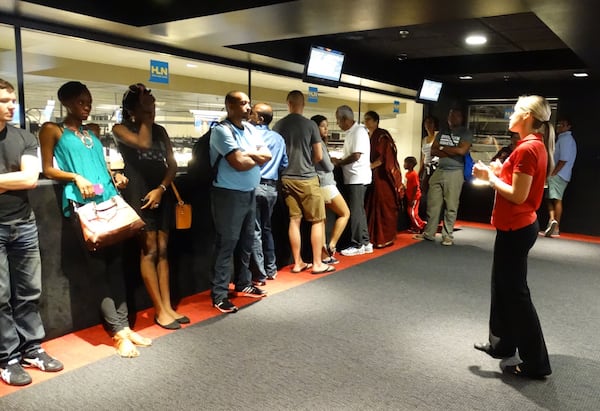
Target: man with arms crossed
<point x="233" y="201"/>
<point x="21" y="328"/>
<point x="446" y="182"/>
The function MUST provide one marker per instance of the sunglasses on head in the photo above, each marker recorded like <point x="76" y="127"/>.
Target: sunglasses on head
<point x="135" y="88"/>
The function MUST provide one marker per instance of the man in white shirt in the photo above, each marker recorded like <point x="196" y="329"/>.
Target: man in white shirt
<point x="356" y="167"/>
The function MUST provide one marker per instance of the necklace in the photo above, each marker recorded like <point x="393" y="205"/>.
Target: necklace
<point x="83" y="135"/>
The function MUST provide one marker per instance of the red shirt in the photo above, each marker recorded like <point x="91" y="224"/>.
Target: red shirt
<point x="529" y="157"/>
<point x="412" y="182"/>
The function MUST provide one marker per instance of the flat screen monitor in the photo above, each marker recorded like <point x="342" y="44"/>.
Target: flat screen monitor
<point x="430" y="91"/>
<point x="324" y="66"/>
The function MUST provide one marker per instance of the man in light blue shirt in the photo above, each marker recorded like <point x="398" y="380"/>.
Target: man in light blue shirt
<point x="233" y="202"/>
<point x="263" y="251"/>
<point x="565" y="152"/>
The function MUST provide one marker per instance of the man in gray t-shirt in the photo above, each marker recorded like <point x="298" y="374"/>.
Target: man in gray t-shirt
<point x="446" y="181"/>
<point x="300" y="183"/>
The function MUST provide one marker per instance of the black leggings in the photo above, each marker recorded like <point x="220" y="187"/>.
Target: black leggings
<point x="513" y="318"/>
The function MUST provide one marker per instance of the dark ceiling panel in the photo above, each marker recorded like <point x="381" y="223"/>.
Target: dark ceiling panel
<point x="516" y="43"/>
<point x="148" y="12"/>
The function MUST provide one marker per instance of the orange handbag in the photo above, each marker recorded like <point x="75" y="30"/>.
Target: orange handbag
<point x="183" y="212"/>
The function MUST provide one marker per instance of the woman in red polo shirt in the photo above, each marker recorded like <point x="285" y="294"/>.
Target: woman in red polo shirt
<point x="519" y="186"/>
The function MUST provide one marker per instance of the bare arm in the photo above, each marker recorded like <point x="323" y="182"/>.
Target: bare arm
<point x="449" y="151"/>
<point x="23" y="179"/>
<point x="240" y="161"/>
<point x="50" y="133"/>
<point x="141" y="140"/>
<point x="348" y="160"/>
<point x="559" y="165"/>
<point x="516" y="193"/>
<point x="317" y="152"/>
<point x="260" y="156"/>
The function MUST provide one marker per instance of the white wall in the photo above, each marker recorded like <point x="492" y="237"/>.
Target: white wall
<point x="406" y="129"/>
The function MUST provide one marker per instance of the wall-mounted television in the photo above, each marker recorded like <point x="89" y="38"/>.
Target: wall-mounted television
<point x="429" y="91"/>
<point x="323" y="66"/>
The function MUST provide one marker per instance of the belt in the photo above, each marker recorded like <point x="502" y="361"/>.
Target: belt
<point x="272" y="183"/>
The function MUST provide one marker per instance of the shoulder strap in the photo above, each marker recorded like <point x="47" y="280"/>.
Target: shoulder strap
<point x="176" y="192"/>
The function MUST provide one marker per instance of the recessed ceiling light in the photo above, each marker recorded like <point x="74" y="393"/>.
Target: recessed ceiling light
<point x="402" y="56"/>
<point x="190" y="65"/>
<point x="580" y="74"/>
<point x="466" y="77"/>
<point x="476" y="40"/>
<point x="403" y="33"/>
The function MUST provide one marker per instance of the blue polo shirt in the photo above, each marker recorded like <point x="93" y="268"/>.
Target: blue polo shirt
<point x="223" y="142"/>
<point x="276" y="145"/>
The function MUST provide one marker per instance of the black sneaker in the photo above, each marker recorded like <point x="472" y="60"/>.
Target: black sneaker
<point x="13" y="374"/>
<point x="225" y="306"/>
<point x="40" y="359"/>
<point x="251" y="291"/>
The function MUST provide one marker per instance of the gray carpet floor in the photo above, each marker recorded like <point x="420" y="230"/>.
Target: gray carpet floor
<point x="394" y="333"/>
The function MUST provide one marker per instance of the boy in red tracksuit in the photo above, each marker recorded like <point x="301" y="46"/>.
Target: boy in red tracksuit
<point x="413" y="195"/>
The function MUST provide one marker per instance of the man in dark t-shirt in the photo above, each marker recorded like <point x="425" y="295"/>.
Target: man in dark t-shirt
<point x="21" y="329"/>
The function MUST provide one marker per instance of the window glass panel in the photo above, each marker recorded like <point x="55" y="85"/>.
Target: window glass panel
<point x="8" y="62"/>
<point x="50" y="60"/>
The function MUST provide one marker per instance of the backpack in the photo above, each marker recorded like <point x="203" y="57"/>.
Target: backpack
<point x="469" y="163"/>
<point x="200" y="170"/>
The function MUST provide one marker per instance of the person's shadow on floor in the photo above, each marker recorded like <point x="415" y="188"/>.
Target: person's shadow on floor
<point x="573" y="384"/>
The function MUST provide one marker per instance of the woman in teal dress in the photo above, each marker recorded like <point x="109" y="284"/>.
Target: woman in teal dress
<point x="80" y="164"/>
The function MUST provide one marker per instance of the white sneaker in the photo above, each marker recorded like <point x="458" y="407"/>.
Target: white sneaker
<point x="551" y="228"/>
<point x="368" y="248"/>
<point x="447" y="241"/>
<point x="351" y="251"/>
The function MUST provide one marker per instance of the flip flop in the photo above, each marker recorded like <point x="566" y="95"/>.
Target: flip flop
<point x="304" y="268"/>
<point x="329" y="269"/>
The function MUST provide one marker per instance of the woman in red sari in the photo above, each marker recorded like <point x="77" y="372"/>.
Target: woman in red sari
<point x="385" y="195"/>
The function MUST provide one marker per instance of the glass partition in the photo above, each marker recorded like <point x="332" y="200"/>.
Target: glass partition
<point x="8" y="62"/>
<point x="193" y="96"/>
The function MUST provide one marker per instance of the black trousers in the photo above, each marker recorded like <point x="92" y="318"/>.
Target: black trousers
<point x="513" y="320"/>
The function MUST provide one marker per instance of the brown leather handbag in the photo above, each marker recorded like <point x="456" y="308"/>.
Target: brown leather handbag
<point x="183" y="212"/>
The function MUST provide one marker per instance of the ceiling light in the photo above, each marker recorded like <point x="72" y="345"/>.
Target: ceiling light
<point x="190" y="65"/>
<point x="403" y="33"/>
<point x="402" y="56"/>
<point x="476" y="40"/>
<point x="580" y="74"/>
<point x="466" y="77"/>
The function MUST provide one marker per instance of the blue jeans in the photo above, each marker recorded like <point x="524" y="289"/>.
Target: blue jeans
<point x="21" y="328"/>
<point x="263" y="251"/>
<point x="234" y="218"/>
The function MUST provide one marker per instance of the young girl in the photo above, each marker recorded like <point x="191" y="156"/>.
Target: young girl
<point x="413" y="196"/>
<point x="81" y="165"/>
<point x="519" y="185"/>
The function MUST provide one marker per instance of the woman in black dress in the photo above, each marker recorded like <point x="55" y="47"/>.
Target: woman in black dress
<point x="151" y="167"/>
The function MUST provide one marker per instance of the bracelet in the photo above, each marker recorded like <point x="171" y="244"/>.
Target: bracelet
<point x="163" y="187"/>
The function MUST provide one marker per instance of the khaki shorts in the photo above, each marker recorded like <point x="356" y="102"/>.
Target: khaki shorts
<point x="303" y="198"/>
